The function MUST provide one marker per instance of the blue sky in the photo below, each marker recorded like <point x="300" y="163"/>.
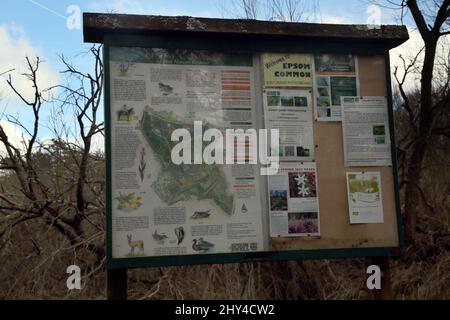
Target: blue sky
<point x="43" y="22"/>
<point x="46" y="27"/>
<point x="30" y="27"/>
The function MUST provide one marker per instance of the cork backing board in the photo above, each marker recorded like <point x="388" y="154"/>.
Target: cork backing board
<point x="335" y="228"/>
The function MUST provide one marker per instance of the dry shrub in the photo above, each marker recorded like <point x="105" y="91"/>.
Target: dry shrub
<point x="325" y="279"/>
<point x="34" y="262"/>
<point x="35" y="257"/>
<point x="427" y="279"/>
<point x="34" y="268"/>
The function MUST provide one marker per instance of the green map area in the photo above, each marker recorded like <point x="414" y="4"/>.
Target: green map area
<point x="175" y="183"/>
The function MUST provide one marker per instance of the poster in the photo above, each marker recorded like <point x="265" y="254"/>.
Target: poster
<point x="365" y="129"/>
<point x="163" y="208"/>
<point x="364" y="197"/>
<point x="290" y="111"/>
<point x="293" y="201"/>
<point x="335" y="65"/>
<point x="287" y="70"/>
<point x="335" y="76"/>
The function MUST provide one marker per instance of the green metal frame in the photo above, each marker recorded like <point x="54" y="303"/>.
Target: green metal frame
<point x="252" y="46"/>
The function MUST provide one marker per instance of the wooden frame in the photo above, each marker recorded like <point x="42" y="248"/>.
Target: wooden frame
<point x="283" y="45"/>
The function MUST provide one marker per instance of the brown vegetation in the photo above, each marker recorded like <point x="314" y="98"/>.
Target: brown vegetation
<point x="52" y="212"/>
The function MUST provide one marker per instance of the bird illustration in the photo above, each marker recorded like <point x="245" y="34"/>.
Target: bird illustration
<point x="201" y="245"/>
<point x="201" y="214"/>
<point x="159" y="237"/>
<point x="179" y="232"/>
<point x="165" y="89"/>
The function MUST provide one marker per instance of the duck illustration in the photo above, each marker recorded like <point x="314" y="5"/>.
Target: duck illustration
<point x="179" y="232"/>
<point x="159" y="237"/>
<point x="201" y="245"/>
<point x="201" y="214"/>
<point x="165" y="89"/>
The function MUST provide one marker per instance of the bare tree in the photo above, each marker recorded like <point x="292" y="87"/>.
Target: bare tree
<point x="249" y="9"/>
<point x="56" y="182"/>
<point x="86" y="103"/>
<point x="293" y="10"/>
<point x="272" y="10"/>
<point x="427" y="111"/>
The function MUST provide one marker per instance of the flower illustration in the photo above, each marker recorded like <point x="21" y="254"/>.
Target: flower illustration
<point x="142" y="165"/>
<point x="301" y="179"/>
<point x="303" y="190"/>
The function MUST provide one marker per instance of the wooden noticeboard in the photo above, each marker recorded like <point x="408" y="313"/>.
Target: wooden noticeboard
<point x="336" y="232"/>
<point x="338" y="238"/>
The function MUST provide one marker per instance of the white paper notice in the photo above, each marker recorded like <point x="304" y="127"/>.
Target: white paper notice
<point x="290" y="111"/>
<point x="293" y="201"/>
<point x="364" y="197"/>
<point x="366" y="131"/>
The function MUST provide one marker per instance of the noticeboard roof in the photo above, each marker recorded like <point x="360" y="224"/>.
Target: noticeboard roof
<point x="97" y="25"/>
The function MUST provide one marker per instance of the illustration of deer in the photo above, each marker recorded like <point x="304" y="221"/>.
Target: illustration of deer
<point x="135" y="244"/>
<point x="125" y="114"/>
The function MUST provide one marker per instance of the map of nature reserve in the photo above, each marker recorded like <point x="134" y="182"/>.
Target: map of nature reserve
<point x="161" y="208"/>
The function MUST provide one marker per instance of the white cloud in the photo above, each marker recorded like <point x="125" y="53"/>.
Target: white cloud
<point x="98" y="143"/>
<point x="15" y="136"/>
<point x="409" y="50"/>
<point x="14" y="48"/>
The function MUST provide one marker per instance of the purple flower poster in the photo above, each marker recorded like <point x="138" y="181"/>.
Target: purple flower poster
<point x="293" y="201"/>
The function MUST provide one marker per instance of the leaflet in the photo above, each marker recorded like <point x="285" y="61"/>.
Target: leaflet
<point x="364" y="197"/>
<point x="335" y="76"/>
<point x="366" y="131"/>
<point x="290" y="111"/>
<point x="293" y="201"/>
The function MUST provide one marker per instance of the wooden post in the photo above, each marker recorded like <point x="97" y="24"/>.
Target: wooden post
<point x="116" y="284"/>
<point x="385" y="293"/>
